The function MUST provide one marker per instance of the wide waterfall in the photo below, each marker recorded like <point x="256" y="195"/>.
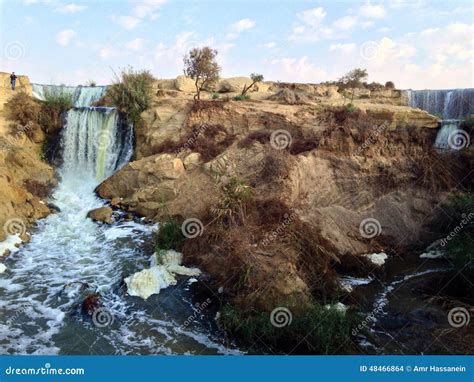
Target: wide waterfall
<point x="446" y="104"/>
<point x="81" y="95"/>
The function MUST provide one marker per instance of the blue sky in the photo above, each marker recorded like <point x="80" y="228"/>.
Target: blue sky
<point x="416" y="44"/>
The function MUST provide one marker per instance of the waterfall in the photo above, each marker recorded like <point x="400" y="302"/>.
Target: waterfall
<point x="81" y="95"/>
<point x="451" y="106"/>
<point x="446" y="104"/>
<point x="96" y="142"/>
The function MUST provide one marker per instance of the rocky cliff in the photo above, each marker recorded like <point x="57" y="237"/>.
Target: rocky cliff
<point x="286" y="194"/>
<point x="25" y="179"/>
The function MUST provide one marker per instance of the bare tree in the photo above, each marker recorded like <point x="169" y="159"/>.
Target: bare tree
<point x="255" y="78"/>
<point x="200" y="64"/>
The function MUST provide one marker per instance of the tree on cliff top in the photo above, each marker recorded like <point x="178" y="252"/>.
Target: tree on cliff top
<point x="353" y="79"/>
<point x="200" y="64"/>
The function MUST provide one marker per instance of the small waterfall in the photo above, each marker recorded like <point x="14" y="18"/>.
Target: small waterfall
<point x="451" y="106"/>
<point x="448" y="130"/>
<point x="96" y="142"/>
<point x="446" y="104"/>
<point x="82" y="95"/>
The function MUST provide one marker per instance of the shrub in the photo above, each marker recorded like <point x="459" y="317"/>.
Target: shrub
<point x="169" y="236"/>
<point x="23" y="111"/>
<point x="56" y="101"/>
<point x="468" y="123"/>
<point x="241" y="97"/>
<point x="313" y="329"/>
<point x="389" y="85"/>
<point x="91" y="83"/>
<point x="131" y="93"/>
<point x="215" y="96"/>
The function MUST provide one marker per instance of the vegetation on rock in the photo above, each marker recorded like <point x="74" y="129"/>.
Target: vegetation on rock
<point x="200" y="64"/>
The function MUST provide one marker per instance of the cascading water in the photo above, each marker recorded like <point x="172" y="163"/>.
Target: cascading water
<point x="82" y="96"/>
<point x="451" y="106"/>
<point x="69" y="256"/>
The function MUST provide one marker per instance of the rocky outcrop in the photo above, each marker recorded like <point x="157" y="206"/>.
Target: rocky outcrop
<point x="25" y="179"/>
<point x="101" y="214"/>
<point x="355" y="182"/>
<point x="233" y="84"/>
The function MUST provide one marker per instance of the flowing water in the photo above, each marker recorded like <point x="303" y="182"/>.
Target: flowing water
<point x="82" y="96"/>
<point x="69" y="257"/>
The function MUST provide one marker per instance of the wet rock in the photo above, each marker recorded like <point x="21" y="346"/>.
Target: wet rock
<point x="91" y="303"/>
<point x="3" y="268"/>
<point x="53" y="207"/>
<point x="102" y="214"/>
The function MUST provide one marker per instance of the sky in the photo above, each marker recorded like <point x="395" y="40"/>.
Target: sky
<point x="416" y="44"/>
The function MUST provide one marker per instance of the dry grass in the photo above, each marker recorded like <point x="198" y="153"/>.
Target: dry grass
<point x="207" y="140"/>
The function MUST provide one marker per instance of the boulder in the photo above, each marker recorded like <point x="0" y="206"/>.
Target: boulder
<point x="102" y="214"/>
<point x="288" y="97"/>
<point x="185" y="84"/>
<point x="192" y="161"/>
<point x="233" y="84"/>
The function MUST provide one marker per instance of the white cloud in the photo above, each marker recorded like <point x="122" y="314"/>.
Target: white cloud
<point x="243" y="25"/>
<point x="142" y="10"/>
<point x="70" y="8"/>
<point x="310" y="27"/>
<point x="344" y="48"/>
<point x="384" y="30"/>
<point x="372" y="11"/>
<point x="65" y="36"/>
<point x="148" y="8"/>
<point x="312" y="17"/>
<point x="135" y="45"/>
<point x="296" y="70"/>
<point x="345" y="23"/>
<point x="270" y="45"/>
<point x="127" y="22"/>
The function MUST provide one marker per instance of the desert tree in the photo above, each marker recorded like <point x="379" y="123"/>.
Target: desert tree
<point x="255" y="77"/>
<point x="352" y="80"/>
<point x="200" y="64"/>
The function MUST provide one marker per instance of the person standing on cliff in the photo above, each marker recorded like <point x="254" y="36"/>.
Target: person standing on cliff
<point x="13" y="80"/>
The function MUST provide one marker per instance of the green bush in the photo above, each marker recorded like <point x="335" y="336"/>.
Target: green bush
<point x="313" y="329"/>
<point x="57" y="100"/>
<point x="350" y="108"/>
<point x="241" y="97"/>
<point x="131" y="93"/>
<point x="169" y="236"/>
<point x="215" y="96"/>
<point x="468" y="123"/>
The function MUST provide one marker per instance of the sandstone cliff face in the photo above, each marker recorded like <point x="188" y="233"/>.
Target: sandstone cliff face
<point x="25" y="180"/>
<point x="338" y="175"/>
